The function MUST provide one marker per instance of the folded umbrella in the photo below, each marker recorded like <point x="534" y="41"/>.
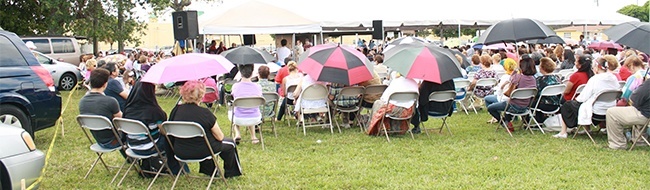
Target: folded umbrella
<point x="430" y="63"/>
<point x="190" y="66"/>
<point x="515" y="30"/>
<point x="336" y="64"/>
<point x="245" y="55"/>
<point x="633" y="34"/>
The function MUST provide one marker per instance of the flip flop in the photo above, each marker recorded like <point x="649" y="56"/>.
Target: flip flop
<point x="255" y="141"/>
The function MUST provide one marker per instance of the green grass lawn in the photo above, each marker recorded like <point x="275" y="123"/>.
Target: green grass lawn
<point x="475" y="157"/>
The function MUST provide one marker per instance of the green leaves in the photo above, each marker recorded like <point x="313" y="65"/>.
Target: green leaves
<point x="640" y="12"/>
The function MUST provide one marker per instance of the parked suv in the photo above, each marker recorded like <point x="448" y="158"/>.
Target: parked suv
<point x="28" y="98"/>
<point x="66" y="49"/>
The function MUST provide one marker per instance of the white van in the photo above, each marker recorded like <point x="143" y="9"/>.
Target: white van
<point x="66" y="49"/>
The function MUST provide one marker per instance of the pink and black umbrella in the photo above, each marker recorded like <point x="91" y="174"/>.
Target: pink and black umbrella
<point x="336" y="64"/>
<point x="430" y="63"/>
<point x="605" y="46"/>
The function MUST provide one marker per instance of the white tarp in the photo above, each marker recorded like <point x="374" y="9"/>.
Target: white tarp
<point x="255" y="17"/>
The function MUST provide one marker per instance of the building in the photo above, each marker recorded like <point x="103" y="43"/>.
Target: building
<point x="574" y="32"/>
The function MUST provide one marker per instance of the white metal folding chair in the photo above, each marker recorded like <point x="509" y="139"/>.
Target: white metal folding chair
<point x="287" y="110"/>
<point x="312" y="93"/>
<point x="98" y="123"/>
<point x="471" y="75"/>
<point x="484" y="83"/>
<point x="548" y="91"/>
<point x="604" y="96"/>
<point x="182" y="130"/>
<point x="271" y="98"/>
<point x="372" y="90"/>
<point x="350" y="91"/>
<point x="441" y="97"/>
<point x="641" y="130"/>
<point x="134" y="127"/>
<point x="500" y="74"/>
<point x="578" y="91"/>
<point x="565" y="73"/>
<point x="399" y="97"/>
<point x="519" y="94"/>
<point x="247" y="102"/>
<point x="462" y="84"/>
<point x="208" y="90"/>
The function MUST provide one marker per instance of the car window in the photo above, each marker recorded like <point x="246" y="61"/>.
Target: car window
<point x="42" y="59"/>
<point x="10" y="56"/>
<point x="42" y="45"/>
<point x="62" y="46"/>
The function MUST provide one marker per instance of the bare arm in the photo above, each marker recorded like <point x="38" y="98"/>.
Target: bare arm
<point x="569" y="86"/>
<point x="124" y="94"/>
<point x="472" y="85"/>
<point x="118" y="114"/>
<point x="216" y="131"/>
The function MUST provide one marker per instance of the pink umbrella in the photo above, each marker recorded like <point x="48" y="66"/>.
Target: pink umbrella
<point x="604" y="46"/>
<point x="499" y="46"/>
<point x="190" y="66"/>
<point x="513" y="56"/>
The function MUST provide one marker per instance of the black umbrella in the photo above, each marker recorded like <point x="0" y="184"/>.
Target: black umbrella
<point x="245" y="55"/>
<point x="549" y="40"/>
<point x="515" y="30"/>
<point x="633" y="34"/>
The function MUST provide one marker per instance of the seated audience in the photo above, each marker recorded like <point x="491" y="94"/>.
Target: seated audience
<point x="96" y="103"/>
<point x="267" y="86"/>
<point x="426" y="108"/>
<point x="395" y="108"/>
<point x="619" y="118"/>
<point x="246" y="116"/>
<point x="547" y="103"/>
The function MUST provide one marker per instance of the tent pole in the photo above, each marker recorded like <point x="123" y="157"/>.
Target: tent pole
<point x="322" y="41"/>
<point x="293" y="39"/>
<point x="241" y="39"/>
<point x="458" y="31"/>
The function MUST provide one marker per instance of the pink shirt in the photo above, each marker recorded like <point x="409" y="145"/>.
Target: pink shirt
<point x="246" y="89"/>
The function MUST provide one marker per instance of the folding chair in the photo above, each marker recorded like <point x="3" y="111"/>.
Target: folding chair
<point x="134" y="127"/>
<point x="565" y="78"/>
<point x="519" y="94"/>
<point x="287" y="110"/>
<point x="621" y="84"/>
<point x="471" y="75"/>
<point x="500" y="74"/>
<point x="484" y="82"/>
<point x="350" y="91"/>
<point x="372" y="90"/>
<point x="565" y="73"/>
<point x="640" y="134"/>
<point x="604" y="96"/>
<point x="441" y="97"/>
<point x="578" y="91"/>
<point x="462" y="84"/>
<point x="271" y="97"/>
<point x="182" y="130"/>
<point x="208" y="90"/>
<point x="312" y="93"/>
<point x="400" y="97"/>
<point x="247" y="102"/>
<point x="98" y="123"/>
<point x="548" y="91"/>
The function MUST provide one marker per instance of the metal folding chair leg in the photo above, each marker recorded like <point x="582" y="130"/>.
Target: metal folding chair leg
<point x="127" y="171"/>
<point x="639" y="136"/>
<point x="157" y="174"/>
<point x="119" y="170"/>
<point x="586" y="131"/>
<point x="261" y="136"/>
<point x="179" y="174"/>
<point x="503" y="124"/>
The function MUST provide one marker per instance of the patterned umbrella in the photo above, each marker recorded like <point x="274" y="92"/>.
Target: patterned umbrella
<point x="430" y="63"/>
<point x="336" y="64"/>
<point x="245" y="55"/>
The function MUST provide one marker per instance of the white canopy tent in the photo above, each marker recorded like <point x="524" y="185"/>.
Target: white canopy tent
<point x="255" y="17"/>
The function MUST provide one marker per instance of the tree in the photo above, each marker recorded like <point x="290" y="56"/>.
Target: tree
<point x="452" y="32"/>
<point x="640" y="12"/>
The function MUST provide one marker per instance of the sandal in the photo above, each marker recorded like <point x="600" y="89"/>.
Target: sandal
<point x="237" y="140"/>
<point x="255" y="141"/>
<point x="491" y="121"/>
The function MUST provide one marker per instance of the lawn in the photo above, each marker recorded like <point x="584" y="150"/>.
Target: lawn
<point x="474" y="157"/>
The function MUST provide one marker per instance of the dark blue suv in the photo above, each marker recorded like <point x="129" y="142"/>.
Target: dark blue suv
<point x="28" y="97"/>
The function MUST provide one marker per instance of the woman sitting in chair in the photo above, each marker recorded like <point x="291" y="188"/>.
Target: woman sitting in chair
<point x="143" y="106"/>
<point x="267" y="86"/>
<point x="246" y="116"/>
<point x="305" y="82"/>
<point x="395" y="108"/>
<point x="579" y="111"/>
<point x="192" y="92"/>
<point x="548" y="103"/>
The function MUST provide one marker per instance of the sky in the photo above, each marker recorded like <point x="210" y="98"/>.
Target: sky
<point x="605" y="5"/>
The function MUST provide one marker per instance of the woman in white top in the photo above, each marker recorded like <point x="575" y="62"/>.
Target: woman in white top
<point x="293" y="78"/>
<point x="395" y="108"/>
<point x="580" y="111"/>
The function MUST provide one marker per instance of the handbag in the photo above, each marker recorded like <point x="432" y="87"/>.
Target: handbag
<point x="511" y="88"/>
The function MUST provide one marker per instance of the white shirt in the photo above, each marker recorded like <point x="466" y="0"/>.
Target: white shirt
<point x="596" y="84"/>
<point x="400" y="84"/>
<point x="498" y="68"/>
<point x="283" y="52"/>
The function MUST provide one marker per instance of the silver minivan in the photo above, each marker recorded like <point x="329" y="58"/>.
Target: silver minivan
<point x="66" y="49"/>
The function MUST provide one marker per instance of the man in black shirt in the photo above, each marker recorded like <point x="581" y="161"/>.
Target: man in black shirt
<point x="619" y="117"/>
<point x="96" y="103"/>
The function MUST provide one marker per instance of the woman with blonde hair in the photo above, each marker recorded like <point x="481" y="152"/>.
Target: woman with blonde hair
<point x="509" y="65"/>
<point x="559" y="53"/>
<point x="91" y="64"/>
<point x="293" y="78"/>
<point x="192" y="93"/>
<point x="496" y="58"/>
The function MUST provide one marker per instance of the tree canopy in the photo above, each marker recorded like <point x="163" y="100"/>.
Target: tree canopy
<point x="640" y="12"/>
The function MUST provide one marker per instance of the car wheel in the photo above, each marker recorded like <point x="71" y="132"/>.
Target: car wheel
<point x="14" y="116"/>
<point x="67" y="82"/>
